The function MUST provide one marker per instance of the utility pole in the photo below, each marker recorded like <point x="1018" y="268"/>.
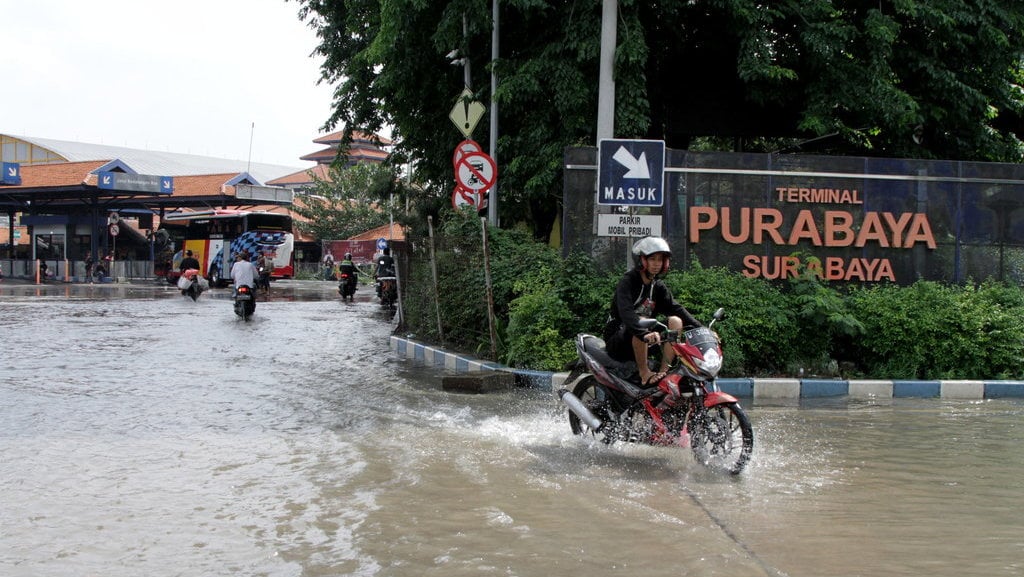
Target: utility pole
<point x="492" y="204"/>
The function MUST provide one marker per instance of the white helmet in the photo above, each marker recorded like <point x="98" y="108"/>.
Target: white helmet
<point x="649" y="245"/>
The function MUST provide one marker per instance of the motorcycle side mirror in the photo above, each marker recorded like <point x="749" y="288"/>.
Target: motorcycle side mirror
<point x="649" y="324"/>
<point x="719" y="314"/>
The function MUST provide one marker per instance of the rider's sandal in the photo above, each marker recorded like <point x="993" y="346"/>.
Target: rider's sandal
<point x="654" y="379"/>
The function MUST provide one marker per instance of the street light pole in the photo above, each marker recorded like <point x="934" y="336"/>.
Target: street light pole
<point x="606" y="76"/>
<point x="465" y="56"/>
<point x="492" y="204"/>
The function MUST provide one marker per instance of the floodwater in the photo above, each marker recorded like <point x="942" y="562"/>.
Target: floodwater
<point x="144" y="434"/>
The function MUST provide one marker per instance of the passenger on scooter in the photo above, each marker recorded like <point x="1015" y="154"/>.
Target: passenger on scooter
<point x="243" y="272"/>
<point x="642" y="294"/>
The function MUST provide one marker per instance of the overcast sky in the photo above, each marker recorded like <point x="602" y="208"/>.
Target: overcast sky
<point x="191" y="76"/>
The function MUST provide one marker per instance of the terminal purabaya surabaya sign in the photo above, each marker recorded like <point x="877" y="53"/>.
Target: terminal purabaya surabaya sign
<point x="814" y="217"/>
<point x="847" y="219"/>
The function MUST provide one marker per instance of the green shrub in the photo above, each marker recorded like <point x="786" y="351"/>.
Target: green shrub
<point x="823" y="321"/>
<point x="537" y="325"/>
<point x="934" y="331"/>
<point x="759" y="330"/>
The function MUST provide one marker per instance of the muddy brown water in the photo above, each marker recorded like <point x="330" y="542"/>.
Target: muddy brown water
<point x="144" y="434"/>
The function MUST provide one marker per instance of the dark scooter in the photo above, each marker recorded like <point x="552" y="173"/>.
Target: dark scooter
<point x="244" y="302"/>
<point x="347" y="287"/>
<point x="194" y="284"/>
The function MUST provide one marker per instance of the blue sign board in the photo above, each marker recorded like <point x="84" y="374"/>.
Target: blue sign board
<point x="631" y="172"/>
<point x="382" y="243"/>
<point x="11" y="173"/>
<point x="136" y="182"/>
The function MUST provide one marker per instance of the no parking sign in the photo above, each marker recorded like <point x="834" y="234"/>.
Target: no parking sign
<point x="476" y="171"/>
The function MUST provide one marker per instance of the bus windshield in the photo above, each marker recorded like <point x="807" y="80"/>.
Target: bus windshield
<point x="216" y="236"/>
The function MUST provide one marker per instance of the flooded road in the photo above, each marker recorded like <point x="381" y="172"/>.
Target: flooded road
<point x="144" y="434"/>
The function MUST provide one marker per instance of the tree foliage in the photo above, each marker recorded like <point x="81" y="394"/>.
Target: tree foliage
<point x="354" y="199"/>
<point x="910" y="78"/>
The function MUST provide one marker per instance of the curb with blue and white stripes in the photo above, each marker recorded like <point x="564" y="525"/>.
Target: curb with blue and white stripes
<point x="767" y="389"/>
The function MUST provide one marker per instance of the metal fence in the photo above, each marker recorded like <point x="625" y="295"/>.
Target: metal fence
<point x="444" y="296"/>
<point x="74" y="270"/>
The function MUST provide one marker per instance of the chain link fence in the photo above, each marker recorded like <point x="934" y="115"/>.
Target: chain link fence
<point x="444" y="297"/>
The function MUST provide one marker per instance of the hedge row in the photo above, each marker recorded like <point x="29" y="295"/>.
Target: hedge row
<point x="800" y="327"/>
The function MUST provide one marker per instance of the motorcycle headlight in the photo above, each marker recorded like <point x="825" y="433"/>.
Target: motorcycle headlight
<point x="712" y="362"/>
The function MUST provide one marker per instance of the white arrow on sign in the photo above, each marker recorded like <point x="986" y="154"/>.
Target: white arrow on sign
<point x="107" y="179"/>
<point x="637" y="166"/>
<point x="11" y="171"/>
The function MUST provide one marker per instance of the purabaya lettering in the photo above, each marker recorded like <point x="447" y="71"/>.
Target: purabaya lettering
<point x="838" y="229"/>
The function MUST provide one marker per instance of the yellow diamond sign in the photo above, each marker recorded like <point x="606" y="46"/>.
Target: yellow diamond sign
<point x="466" y="113"/>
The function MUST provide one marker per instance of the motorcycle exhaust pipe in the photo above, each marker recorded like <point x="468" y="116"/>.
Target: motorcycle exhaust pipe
<point x="576" y="406"/>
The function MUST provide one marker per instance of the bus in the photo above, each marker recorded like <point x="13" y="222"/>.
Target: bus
<point x="216" y="236"/>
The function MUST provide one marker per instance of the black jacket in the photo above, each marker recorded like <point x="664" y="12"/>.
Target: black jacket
<point x="187" y="263"/>
<point x="627" y="301"/>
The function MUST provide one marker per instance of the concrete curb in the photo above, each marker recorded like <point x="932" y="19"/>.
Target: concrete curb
<point x="766" y="389"/>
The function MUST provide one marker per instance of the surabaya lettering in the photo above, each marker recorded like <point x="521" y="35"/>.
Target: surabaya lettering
<point x="833" y="268"/>
<point x="837" y="229"/>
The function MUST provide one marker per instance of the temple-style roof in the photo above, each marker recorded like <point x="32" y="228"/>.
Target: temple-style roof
<point x="364" y="148"/>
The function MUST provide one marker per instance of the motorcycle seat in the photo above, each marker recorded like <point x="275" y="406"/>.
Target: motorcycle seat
<point x="596" y="347"/>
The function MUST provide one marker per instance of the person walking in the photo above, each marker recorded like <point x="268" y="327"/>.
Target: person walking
<point x="90" y="264"/>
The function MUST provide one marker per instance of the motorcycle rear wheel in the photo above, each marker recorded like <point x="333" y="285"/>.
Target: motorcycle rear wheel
<point x="595" y="398"/>
<point x="722" y="438"/>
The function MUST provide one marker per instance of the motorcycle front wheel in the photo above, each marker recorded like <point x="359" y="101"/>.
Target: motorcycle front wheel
<point x="595" y="398"/>
<point x="722" y="438"/>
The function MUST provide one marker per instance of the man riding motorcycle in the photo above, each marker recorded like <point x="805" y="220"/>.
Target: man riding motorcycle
<point x="642" y="294"/>
<point x="385" y="267"/>
<point x="348" y="272"/>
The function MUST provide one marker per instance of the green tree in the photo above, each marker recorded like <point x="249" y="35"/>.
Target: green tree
<point x="910" y="78"/>
<point x="354" y="199"/>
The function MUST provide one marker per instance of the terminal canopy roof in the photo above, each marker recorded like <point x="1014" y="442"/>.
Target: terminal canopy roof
<point x="59" y="177"/>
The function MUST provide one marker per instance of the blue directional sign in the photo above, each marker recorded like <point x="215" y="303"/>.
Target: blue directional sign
<point x="382" y="243"/>
<point x="136" y="182"/>
<point x="11" y="174"/>
<point x="631" y="172"/>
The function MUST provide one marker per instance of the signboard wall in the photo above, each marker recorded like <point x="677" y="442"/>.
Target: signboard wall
<point x="848" y="219"/>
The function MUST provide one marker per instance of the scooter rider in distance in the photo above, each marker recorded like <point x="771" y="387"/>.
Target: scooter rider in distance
<point x="189" y="262"/>
<point x="348" y="272"/>
<point x="642" y="294"/>
<point x="243" y="272"/>
<point x="385" y="267"/>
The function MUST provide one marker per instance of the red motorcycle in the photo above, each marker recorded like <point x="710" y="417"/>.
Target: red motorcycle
<point x="684" y="409"/>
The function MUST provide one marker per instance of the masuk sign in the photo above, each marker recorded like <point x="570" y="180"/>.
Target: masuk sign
<point x="631" y="172"/>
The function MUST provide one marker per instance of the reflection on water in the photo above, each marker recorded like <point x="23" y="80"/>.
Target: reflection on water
<point x="144" y="434"/>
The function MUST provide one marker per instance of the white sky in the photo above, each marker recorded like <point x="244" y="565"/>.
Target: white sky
<point x="188" y="76"/>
